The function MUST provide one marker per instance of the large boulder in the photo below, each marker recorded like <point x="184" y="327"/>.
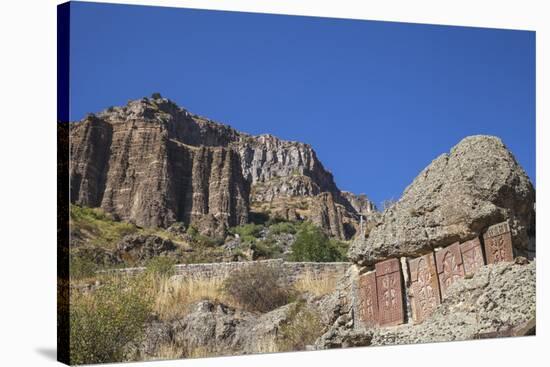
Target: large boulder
<point x="455" y="198"/>
<point x="499" y="300"/>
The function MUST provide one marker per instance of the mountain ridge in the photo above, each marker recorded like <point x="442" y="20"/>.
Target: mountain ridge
<point x="154" y="163"/>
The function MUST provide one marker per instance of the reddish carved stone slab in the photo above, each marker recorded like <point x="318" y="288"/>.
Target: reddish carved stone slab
<point x="472" y="256"/>
<point x="449" y="267"/>
<point x="498" y="243"/>
<point x="424" y="285"/>
<point x="390" y="293"/>
<point x="368" y="300"/>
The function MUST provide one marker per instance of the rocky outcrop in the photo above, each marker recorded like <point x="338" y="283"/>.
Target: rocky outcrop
<point x="455" y="198"/>
<point x="334" y="217"/>
<point x="154" y="164"/>
<point x="361" y="203"/>
<point x="213" y="329"/>
<point x="138" y="163"/>
<point x="140" y="248"/>
<point x="499" y="300"/>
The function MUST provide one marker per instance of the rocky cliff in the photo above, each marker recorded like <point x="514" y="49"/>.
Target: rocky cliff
<point x="153" y="163"/>
<point x="455" y="198"/>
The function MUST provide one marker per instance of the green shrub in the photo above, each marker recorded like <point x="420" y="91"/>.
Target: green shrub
<point x="302" y="328"/>
<point x="258" y="287"/>
<point x="282" y="227"/>
<point x="250" y="230"/>
<point x="192" y="231"/>
<point x="312" y="244"/>
<point x="103" y="322"/>
<point x="100" y="226"/>
<point x="266" y="249"/>
<point x="81" y="267"/>
<point x="161" y="265"/>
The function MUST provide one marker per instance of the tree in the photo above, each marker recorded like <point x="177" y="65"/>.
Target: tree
<point x="312" y="244"/>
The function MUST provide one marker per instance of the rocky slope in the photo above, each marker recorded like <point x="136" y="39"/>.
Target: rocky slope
<point x="455" y="198"/>
<point x="153" y="163"/>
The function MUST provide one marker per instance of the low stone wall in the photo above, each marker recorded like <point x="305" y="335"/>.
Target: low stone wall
<point x="291" y="270"/>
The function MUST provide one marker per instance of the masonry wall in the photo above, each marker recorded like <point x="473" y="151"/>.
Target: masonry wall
<point x="291" y="270"/>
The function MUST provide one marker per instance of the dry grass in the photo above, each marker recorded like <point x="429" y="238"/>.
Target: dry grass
<point x="174" y="295"/>
<point x="168" y="351"/>
<point x="316" y="285"/>
<point x="267" y="344"/>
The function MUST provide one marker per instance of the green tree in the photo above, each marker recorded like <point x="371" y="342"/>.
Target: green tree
<point x="312" y="244"/>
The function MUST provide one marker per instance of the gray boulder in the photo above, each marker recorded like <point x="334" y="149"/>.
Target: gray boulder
<point x="455" y="198"/>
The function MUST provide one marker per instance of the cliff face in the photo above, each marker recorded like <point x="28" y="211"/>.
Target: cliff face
<point x="153" y="163"/>
<point x="141" y="166"/>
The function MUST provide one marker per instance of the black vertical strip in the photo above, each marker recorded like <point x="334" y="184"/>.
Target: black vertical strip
<point x="63" y="316"/>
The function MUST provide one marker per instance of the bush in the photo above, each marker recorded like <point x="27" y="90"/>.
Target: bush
<point x="266" y="249"/>
<point x="312" y="244"/>
<point x="161" y="265"/>
<point x="302" y="328"/>
<point x="81" y="267"/>
<point x="105" y="321"/>
<point x="102" y="229"/>
<point x="258" y="287"/>
<point x="248" y="231"/>
<point x="282" y="227"/>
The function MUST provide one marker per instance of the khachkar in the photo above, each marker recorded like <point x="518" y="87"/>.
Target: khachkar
<point x="390" y="292"/>
<point x="449" y="267"/>
<point x="381" y="292"/>
<point x="424" y="290"/>
<point x="498" y="243"/>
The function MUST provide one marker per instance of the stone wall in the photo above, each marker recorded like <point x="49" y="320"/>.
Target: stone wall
<point x="292" y="270"/>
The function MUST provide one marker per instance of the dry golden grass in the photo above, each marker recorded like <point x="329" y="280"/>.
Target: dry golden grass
<point x="174" y="295"/>
<point x="168" y="351"/>
<point x="316" y="285"/>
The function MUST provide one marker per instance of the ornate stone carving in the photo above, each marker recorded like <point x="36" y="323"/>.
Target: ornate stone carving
<point x="449" y="267"/>
<point x="498" y="243"/>
<point x="472" y="256"/>
<point x="390" y="293"/>
<point x="424" y="285"/>
<point x="368" y="300"/>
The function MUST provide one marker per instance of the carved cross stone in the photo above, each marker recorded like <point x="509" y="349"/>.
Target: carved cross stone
<point x="472" y="256"/>
<point x="498" y="243"/>
<point x="424" y="285"/>
<point x="449" y="267"/>
<point x="390" y="292"/>
<point x="368" y="300"/>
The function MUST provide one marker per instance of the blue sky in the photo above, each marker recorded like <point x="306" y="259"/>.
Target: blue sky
<point x="378" y="101"/>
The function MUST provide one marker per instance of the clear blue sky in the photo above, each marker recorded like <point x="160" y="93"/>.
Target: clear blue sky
<point x="378" y="101"/>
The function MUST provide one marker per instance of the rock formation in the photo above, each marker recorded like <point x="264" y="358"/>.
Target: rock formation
<point x="153" y="163"/>
<point x="455" y="198"/>
<point x="499" y="300"/>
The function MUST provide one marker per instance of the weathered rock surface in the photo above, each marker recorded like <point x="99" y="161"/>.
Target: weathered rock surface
<point x="496" y="300"/>
<point x="215" y="329"/>
<point x="138" y="163"/>
<point x="455" y="198"/>
<point x="154" y="164"/>
<point x="141" y="248"/>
